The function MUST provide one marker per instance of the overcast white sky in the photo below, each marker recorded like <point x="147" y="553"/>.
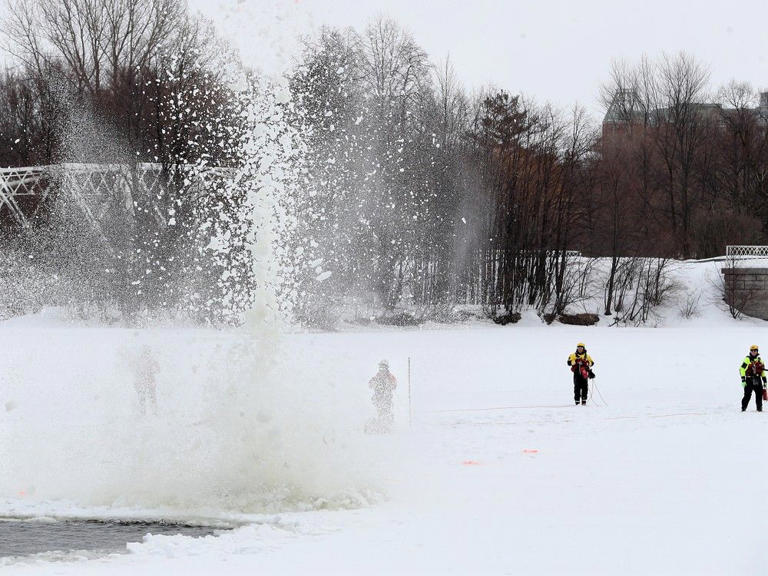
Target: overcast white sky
<point x="553" y="50"/>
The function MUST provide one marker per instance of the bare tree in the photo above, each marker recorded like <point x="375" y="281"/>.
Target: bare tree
<point x="97" y="40"/>
<point x="394" y="69"/>
<point x="657" y="113"/>
<point x="681" y="119"/>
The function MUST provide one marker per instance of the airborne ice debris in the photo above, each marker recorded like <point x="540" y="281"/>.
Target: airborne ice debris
<point x="282" y="95"/>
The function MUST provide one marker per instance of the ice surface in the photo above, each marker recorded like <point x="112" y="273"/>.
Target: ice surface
<point x="659" y="474"/>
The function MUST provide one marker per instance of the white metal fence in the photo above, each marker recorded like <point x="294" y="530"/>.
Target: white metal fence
<point x="91" y="186"/>
<point x="16" y="183"/>
<point x="748" y="251"/>
<point x="95" y="188"/>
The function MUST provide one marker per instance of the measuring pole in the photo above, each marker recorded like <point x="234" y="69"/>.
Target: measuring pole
<point x="410" y="411"/>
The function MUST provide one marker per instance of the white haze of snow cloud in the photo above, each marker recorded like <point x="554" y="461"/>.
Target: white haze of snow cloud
<point x="240" y="425"/>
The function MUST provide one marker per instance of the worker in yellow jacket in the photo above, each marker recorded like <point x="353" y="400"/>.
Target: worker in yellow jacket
<point x="581" y="365"/>
<point x="752" y="372"/>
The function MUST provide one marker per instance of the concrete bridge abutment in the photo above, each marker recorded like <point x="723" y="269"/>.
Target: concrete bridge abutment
<point x="746" y="290"/>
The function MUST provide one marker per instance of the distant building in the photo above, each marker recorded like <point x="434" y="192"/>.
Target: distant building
<point x="627" y="113"/>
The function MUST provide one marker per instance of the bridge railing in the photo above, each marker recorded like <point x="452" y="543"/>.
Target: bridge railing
<point x="92" y="186"/>
<point x="17" y="183"/>
<point x="746" y="251"/>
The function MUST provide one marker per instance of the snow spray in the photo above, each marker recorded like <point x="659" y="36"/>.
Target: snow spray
<point x="244" y="423"/>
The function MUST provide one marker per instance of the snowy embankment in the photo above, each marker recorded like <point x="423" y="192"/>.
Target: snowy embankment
<point x="498" y="472"/>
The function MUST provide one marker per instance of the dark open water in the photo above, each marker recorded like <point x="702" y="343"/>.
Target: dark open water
<point x="24" y="537"/>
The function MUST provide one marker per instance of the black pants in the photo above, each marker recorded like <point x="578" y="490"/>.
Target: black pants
<point x="580" y="388"/>
<point x="756" y="385"/>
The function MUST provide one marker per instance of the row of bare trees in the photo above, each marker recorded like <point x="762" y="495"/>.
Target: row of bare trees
<point x="414" y="193"/>
<point x="690" y="164"/>
<point x="426" y="195"/>
<point x="423" y="195"/>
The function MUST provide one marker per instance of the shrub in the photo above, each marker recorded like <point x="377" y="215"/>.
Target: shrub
<point x="402" y="319"/>
<point x="579" y="319"/>
<point x="508" y="318"/>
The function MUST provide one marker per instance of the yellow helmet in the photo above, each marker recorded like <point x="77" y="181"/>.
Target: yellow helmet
<point x="581" y="344"/>
<point x="753" y="347"/>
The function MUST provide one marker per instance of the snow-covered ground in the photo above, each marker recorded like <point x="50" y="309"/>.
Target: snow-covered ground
<point x="497" y="473"/>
